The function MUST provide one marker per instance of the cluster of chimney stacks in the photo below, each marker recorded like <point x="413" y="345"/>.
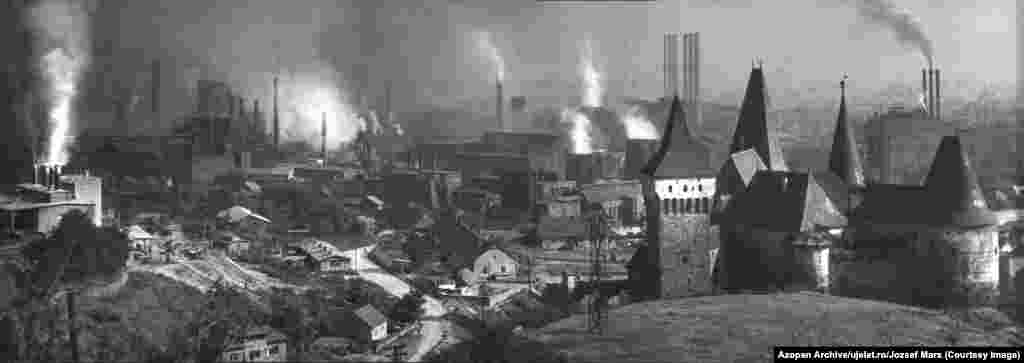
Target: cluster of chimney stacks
<point x="930" y="85"/>
<point x="690" y="75"/>
<point x="47" y="175"/>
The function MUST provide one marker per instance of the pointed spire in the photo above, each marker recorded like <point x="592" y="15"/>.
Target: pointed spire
<point x="844" y="160"/>
<point x="675" y="115"/>
<point x="752" y="125"/>
<point x="956" y="196"/>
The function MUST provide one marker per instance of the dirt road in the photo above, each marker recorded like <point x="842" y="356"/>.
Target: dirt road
<point x="433" y="309"/>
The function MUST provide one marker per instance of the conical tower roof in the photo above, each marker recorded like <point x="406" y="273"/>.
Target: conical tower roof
<point x="844" y="160"/>
<point x="679" y="154"/>
<point x="752" y="126"/>
<point x="675" y="110"/>
<point x="953" y="188"/>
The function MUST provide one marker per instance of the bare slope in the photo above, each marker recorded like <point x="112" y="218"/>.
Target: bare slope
<point x="733" y="328"/>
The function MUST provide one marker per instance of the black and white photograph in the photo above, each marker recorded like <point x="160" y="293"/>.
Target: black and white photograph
<point x="511" y="181"/>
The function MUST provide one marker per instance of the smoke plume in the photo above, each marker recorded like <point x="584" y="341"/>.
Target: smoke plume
<point x="312" y="91"/>
<point x="593" y="90"/>
<point x="64" y="36"/>
<point x="580" y="129"/>
<point x="487" y="48"/>
<point x="638" y="127"/>
<point x="905" y="26"/>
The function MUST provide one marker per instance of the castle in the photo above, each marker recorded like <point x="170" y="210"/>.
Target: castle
<point x="755" y="225"/>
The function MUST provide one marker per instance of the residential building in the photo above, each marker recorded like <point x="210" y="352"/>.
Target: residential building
<point x="367" y="324"/>
<point x="495" y="263"/>
<point x="261" y="344"/>
<point x="322" y="256"/>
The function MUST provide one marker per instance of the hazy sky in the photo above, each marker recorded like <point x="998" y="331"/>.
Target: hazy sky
<point x="428" y="54"/>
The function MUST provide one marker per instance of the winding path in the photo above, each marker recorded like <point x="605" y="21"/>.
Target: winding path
<point x="433" y="309"/>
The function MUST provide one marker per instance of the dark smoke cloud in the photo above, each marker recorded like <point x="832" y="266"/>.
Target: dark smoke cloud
<point x="904" y="25"/>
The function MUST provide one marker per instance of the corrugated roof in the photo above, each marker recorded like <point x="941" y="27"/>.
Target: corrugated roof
<point x="370" y="315"/>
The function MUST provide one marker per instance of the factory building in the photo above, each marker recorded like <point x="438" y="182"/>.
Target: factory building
<point x="678" y="184"/>
<point x="38" y="207"/>
<point x="898" y="140"/>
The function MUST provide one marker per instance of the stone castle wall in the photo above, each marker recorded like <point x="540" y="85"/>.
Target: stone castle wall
<point x="687" y="242"/>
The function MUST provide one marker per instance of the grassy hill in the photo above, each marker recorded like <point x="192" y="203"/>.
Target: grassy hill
<point x="744" y="328"/>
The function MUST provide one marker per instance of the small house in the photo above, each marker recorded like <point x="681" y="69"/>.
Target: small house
<point x="368" y="324"/>
<point x="334" y="345"/>
<point x="142" y="241"/>
<point x="261" y="344"/>
<point x="233" y="244"/>
<point x="324" y="257"/>
<point x="244" y="219"/>
<point x="495" y="263"/>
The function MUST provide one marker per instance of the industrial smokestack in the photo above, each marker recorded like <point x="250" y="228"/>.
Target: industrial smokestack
<point x="697" y="114"/>
<point x="500" y="105"/>
<point x="938" y="96"/>
<point x="323" y="137"/>
<point x="277" y="120"/>
<point x="671" y="66"/>
<point x="925" y="92"/>
<point x="155" y="84"/>
<point x="931" y="92"/>
<point x="257" y="120"/>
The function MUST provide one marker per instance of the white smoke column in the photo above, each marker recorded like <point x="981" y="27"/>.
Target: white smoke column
<point x="486" y="45"/>
<point x="593" y="91"/>
<point x="638" y="127"/>
<point x="311" y="93"/>
<point x="65" y="31"/>
<point x="905" y="26"/>
<point x="579" y="131"/>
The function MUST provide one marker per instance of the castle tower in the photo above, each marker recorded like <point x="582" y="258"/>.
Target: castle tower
<point x="678" y="186"/>
<point x="844" y="159"/>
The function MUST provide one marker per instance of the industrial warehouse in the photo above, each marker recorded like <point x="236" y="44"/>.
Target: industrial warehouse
<point x="266" y="186"/>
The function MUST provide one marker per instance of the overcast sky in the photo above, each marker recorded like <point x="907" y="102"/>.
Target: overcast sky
<point x="428" y="54"/>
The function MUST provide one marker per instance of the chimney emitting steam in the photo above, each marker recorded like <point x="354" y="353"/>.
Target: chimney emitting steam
<point x="323" y="137"/>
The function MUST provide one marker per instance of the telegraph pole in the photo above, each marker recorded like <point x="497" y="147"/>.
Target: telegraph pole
<point x="596" y="231"/>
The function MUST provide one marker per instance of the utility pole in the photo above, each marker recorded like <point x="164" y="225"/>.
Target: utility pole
<point x="596" y="232"/>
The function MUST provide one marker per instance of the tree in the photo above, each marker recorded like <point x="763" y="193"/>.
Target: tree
<point x="75" y="251"/>
<point x="409" y="308"/>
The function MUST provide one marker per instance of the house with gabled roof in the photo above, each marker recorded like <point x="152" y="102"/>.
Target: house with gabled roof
<point x="367" y="324"/>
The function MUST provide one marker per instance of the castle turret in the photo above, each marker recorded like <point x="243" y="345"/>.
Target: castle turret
<point x="844" y="160"/>
<point x="953" y="187"/>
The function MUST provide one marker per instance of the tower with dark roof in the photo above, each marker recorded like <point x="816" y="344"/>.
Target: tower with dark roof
<point x="844" y="159"/>
<point x="678" y="186"/>
<point x="949" y="232"/>
<point x="751" y="133"/>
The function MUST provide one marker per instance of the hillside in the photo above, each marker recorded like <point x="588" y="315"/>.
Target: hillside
<point x="737" y="328"/>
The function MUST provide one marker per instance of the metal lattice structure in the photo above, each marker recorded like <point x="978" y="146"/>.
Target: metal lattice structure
<point x="597" y="230"/>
